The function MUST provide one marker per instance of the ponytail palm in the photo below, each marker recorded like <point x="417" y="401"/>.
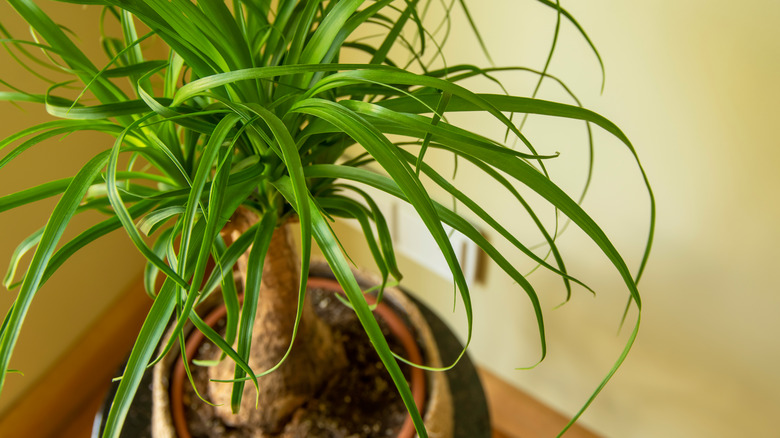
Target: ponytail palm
<point x="252" y="112"/>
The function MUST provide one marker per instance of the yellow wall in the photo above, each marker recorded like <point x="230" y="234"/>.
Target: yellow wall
<point x="88" y="283"/>
<point x="694" y="85"/>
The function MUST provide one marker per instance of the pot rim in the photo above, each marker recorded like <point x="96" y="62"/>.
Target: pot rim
<point x="398" y="327"/>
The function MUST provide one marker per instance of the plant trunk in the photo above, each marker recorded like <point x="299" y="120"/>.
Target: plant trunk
<point x="315" y="355"/>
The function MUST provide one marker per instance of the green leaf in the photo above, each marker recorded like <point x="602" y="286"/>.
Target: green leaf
<point x="187" y="221"/>
<point x="229" y="295"/>
<point x="328" y="29"/>
<point x="573" y="21"/>
<point x="204" y="84"/>
<point x="542" y="107"/>
<point x="161" y="244"/>
<point x="23" y="248"/>
<point x="90" y="235"/>
<point x="331" y="250"/>
<point x="396" y="78"/>
<point x="443" y="101"/>
<point x="389" y="186"/>
<point x="54" y="129"/>
<point x="383" y="232"/>
<point x="389" y="158"/>
<point x="391" y="39"/>
<point x="73" y="56"/>
<point x="33" y="194"/>
<point x="148" y="338"/>
<point x="98" y="112"/>
<point x="157" y="217"/>
<point x="52" y="233"/>
<point x="351" y="209"/>
<point x="122" y="213"/>
<point x="214" y="337"/>
<point x="475" y="29"/>
<point x="229" y="258"/>
<point x="494" y="224"/>
<point x="262" y="240"/>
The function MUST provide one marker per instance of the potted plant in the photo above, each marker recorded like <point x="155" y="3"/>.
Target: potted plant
<point x="250" y="123"/>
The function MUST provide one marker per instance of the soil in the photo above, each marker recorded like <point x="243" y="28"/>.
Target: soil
<point x="360" y="402"/>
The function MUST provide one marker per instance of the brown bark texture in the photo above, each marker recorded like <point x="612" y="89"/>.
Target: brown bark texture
<point x="315" y="356"/>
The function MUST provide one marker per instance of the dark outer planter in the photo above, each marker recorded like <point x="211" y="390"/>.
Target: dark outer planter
<point x="470" y="406"/>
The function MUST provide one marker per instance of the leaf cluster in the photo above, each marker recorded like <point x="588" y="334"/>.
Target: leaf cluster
<point x="251" y="107"/>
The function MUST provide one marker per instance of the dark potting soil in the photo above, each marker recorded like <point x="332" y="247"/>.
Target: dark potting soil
<point x="360" y="402"/>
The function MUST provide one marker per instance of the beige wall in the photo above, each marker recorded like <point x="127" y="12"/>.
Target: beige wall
<point x="694" y="85"/>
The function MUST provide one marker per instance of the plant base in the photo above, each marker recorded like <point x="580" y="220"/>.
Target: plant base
<point x="470" y="415"/>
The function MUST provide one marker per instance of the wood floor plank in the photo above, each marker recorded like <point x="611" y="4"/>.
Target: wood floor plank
<point x="515" y="414"/>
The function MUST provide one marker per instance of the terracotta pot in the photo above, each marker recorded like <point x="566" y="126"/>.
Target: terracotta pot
<point x="168" y="419"/>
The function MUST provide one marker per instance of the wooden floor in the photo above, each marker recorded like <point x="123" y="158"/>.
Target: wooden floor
<point x="71" y="397"/>
<point x="515" y="414"/>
